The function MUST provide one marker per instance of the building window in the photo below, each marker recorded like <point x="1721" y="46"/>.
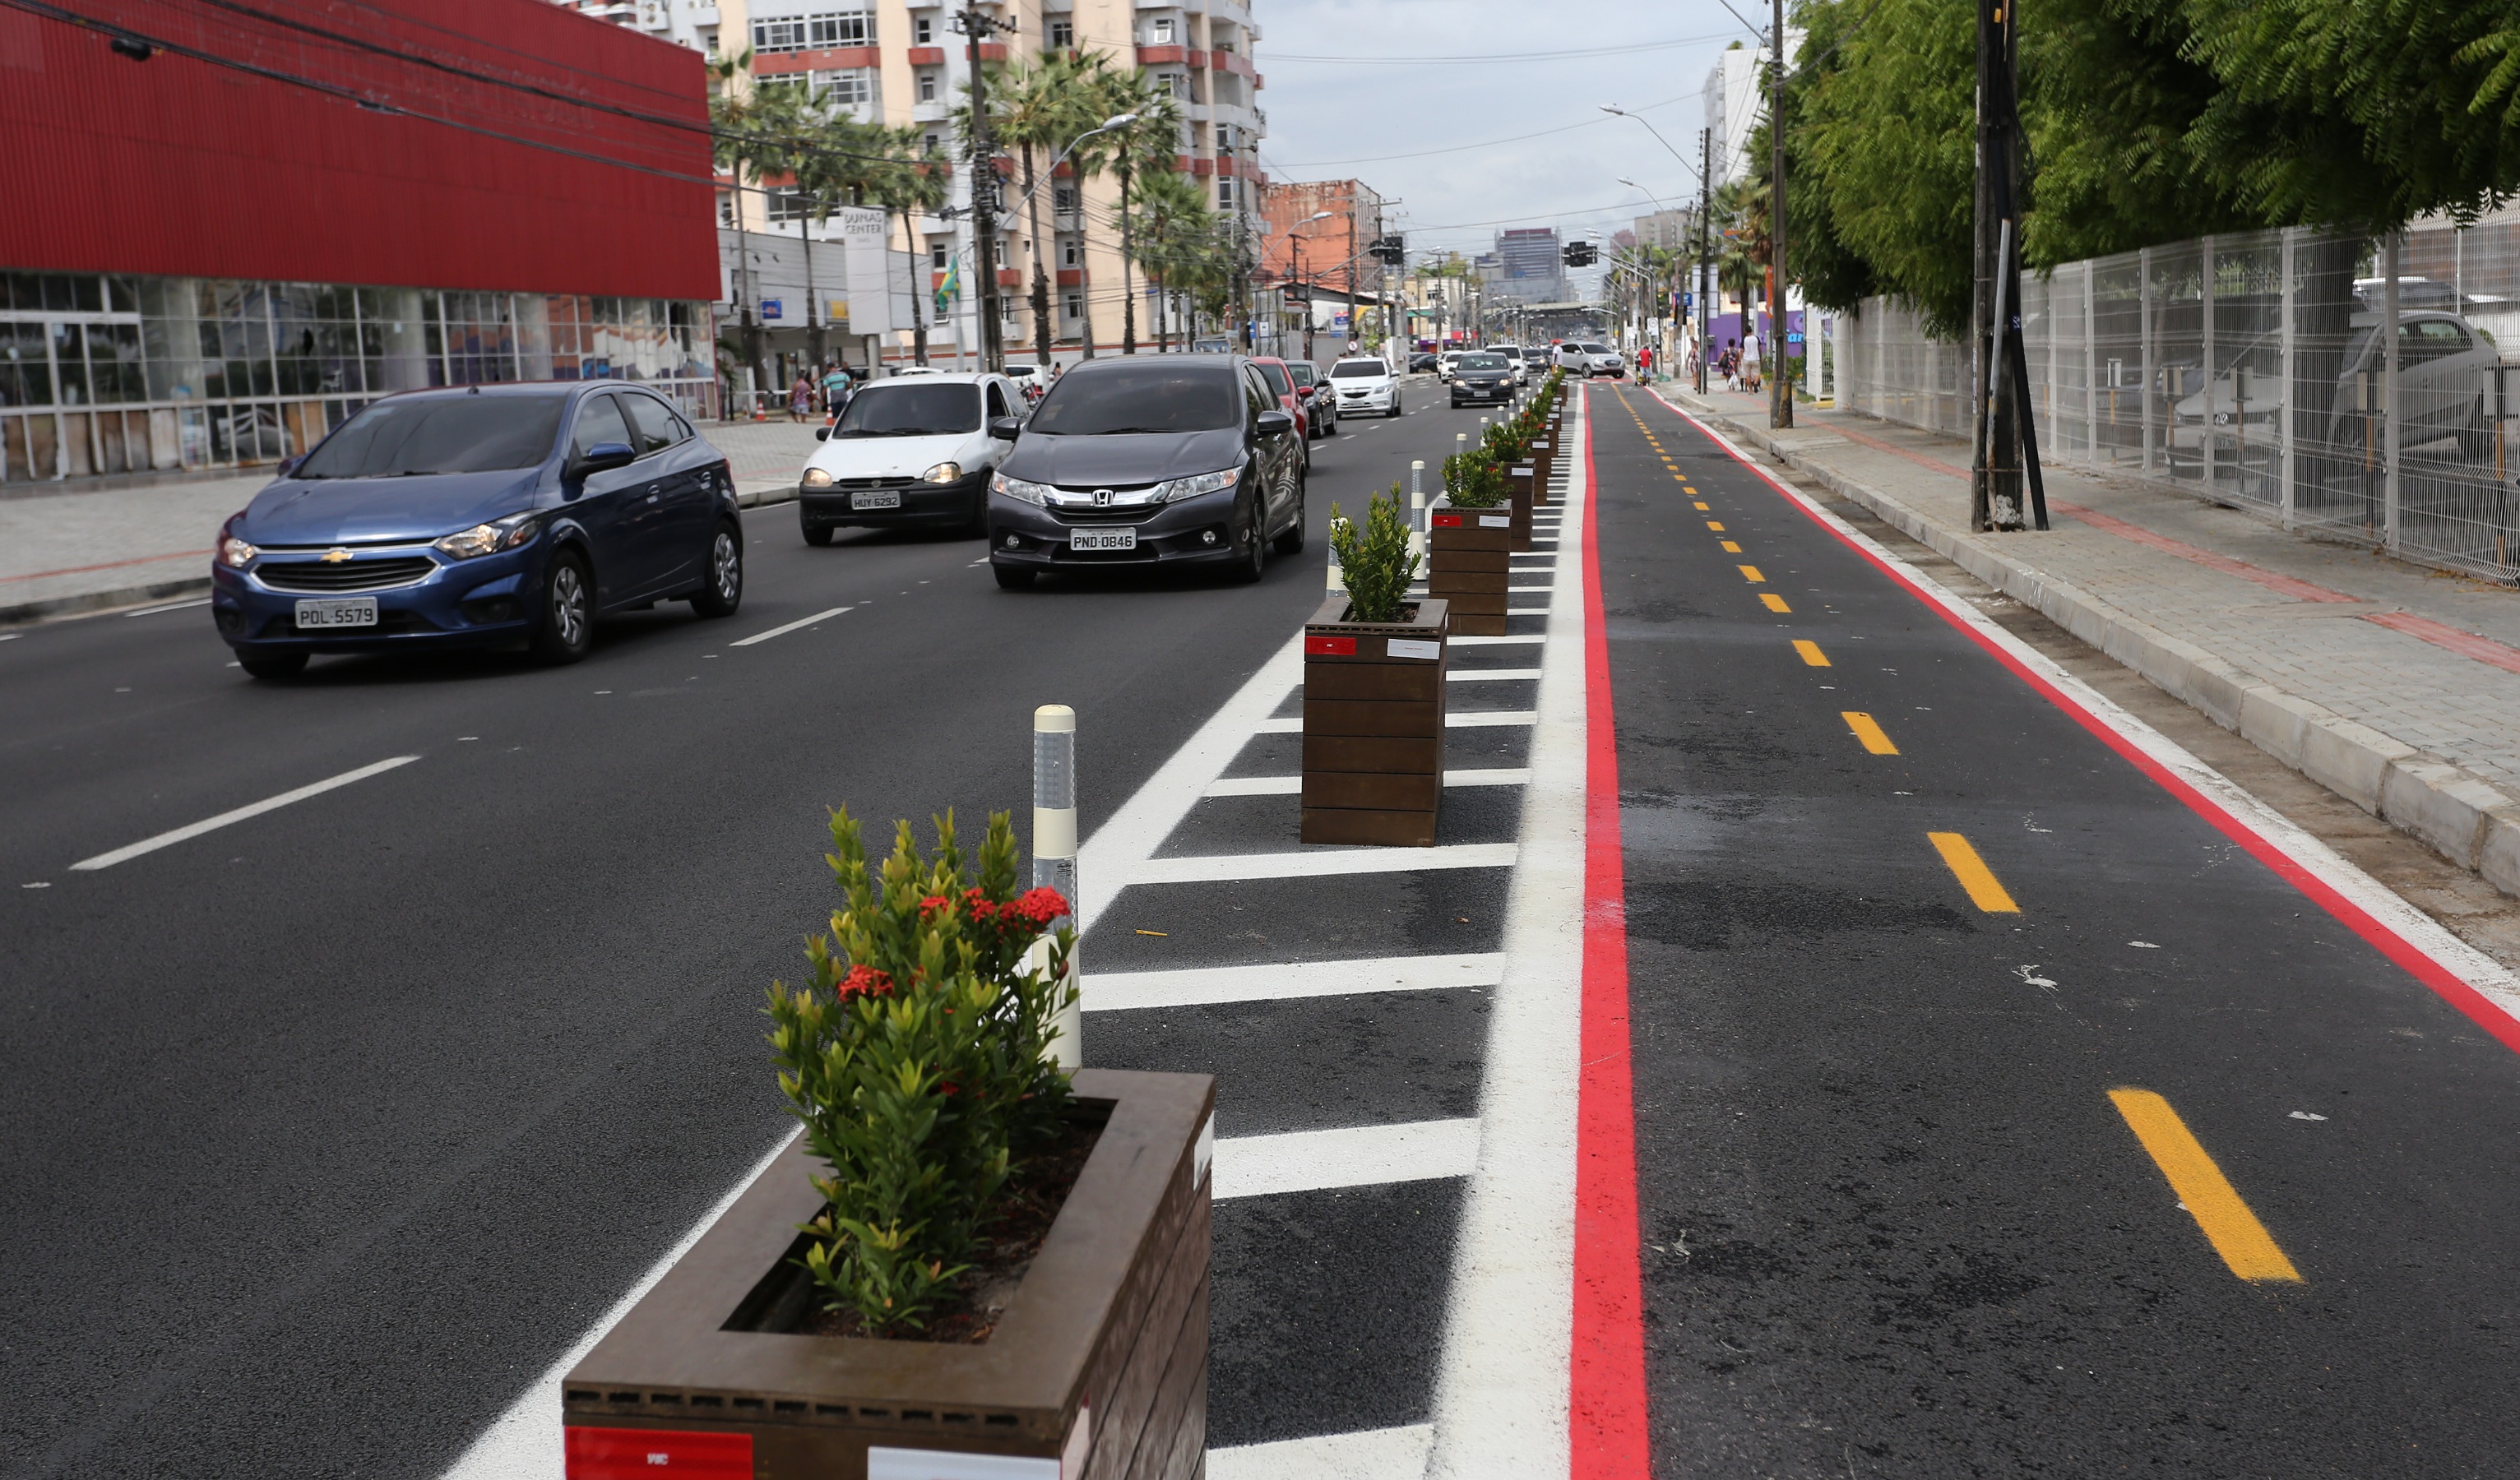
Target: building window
<point x="785" y="202"/>
<point x="1064" y="200"/>
<point x="1062" y="34"/>
<point x="1160" y="32"/>
<point x="923" y="32"/>
<point x="937" y="253"/>
<point x="934" y="140"/>
<point x="824" y="29"/>
<point x="726" y="207"/>
<point x="928" y="84"/>
<point x="853" y="88"/>
<point x="1225" y="195"/>
<point x="1071" y="254"/>
<point x="1074" y="306"/>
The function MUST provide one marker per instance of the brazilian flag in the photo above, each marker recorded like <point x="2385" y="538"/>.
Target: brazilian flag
<point x="951" y="289"/>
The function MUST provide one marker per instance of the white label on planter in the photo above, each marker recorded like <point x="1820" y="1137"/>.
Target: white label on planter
<point x="884" y="1463"/>
<point x="1204" y="1153"/>
<point x="1409" y="647"/>
<point x="1496" y="521"/>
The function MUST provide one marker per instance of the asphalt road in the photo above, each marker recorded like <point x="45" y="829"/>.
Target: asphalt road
<point x="1895" y="1223"/>
<point x="327" y="1131"/>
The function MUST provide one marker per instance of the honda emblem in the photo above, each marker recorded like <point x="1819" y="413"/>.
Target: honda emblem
<point x="1101" y="498"/>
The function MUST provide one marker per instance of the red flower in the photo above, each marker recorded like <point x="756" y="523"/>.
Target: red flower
<point x="865" y="981"/>
<point x="978" y="905"/>
<point x="1039" y="905"/>
<point x="932" y="904"/>
<point x="949" y="1087"/>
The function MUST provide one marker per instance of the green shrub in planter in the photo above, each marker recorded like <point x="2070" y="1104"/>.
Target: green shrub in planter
<point x="916" y="1061"/>
<point x="1473" y="481"/>
<point x="1375" y="561"/>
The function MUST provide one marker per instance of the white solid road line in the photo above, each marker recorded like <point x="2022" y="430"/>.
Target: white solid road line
<point x="525" y="1443"/>
<point x="1352" y="1156"/>
<point x="1203" y="986"/>
<point x="1224" y="868"/>
<point x="214" y="824"/>
<point x="1491" y="642"/>
<point x="1504" y="1379"/>
<point x="1490" y="675"/>
<point x="763" y="637"/>
<point x="1379" y="1454"/>
<point x="169" y="607"/>
<point x="1290" y="786"/>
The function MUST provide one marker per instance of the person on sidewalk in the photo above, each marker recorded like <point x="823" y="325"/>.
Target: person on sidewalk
<point x="1644" y="363"/>
<point x="836" y="388"/>
<point x="1731" y="364"/>
<point x="800" y="398"/>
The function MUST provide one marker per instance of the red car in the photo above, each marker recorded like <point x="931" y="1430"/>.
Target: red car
<point x="1283" y="380"/>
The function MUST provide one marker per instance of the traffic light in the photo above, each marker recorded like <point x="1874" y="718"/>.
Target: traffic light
<point x="1389" y="250"/>
<point x="1582" y="254"/>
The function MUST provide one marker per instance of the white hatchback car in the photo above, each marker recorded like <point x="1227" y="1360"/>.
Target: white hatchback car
<point x="912" y="452"/>
<point x="1365" y="386"/>
<point x="1515" y="361"/>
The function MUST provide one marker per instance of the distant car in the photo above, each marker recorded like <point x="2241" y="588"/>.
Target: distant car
<point x="1603" y="360"/>
<point x="1571" y="358"/>
<point x="1281" y="380"/>
<point x="916" y="456"/>
<point x="1447" y="363"/>
<point x="1366" y="385"/>
<point x="1425" y="362"/>
<point x="1027" y="378"/>
<point x="1513" y="361"/>
<point x="1480" y="379"/>
<point x="1320" y="406"/>
<point x="2444" y="389"/>
<point x="475" y="517"/>
<point x="917" y="370"/>
<point x="1149" y="460"/>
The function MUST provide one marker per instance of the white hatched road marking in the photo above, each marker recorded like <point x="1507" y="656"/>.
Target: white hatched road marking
<point x="1379" y="1454"/>
<point x="763" y="637"/>
<point x="1200" y="986"/>
<point x="1493" y="642"/>
<point x="256" y="809"/>
<point x="1475" y="719"/>
<point x="1351" y="1156"/>
<point x="1290" y="786"/>
<point x="1490" y="675"/>
<point x="1224" y="868"/>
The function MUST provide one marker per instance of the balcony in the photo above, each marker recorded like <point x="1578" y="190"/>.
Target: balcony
<point x="1157" y="56"/>
<point x="926" y="56"/>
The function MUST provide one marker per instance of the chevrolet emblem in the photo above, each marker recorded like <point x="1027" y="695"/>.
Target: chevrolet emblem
<point x="336" y="556"/>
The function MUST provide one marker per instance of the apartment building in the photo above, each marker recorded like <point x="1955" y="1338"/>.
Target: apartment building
<point x="902" y="61"/>
<point x="1737" y="103"/>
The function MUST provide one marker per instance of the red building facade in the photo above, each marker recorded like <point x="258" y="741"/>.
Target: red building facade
<point x="222" y="229"/>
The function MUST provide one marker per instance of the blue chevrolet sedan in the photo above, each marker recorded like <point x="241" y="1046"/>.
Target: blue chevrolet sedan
<point x="491" y="514"/>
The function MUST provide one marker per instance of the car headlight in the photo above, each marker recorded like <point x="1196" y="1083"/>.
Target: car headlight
<point x="488" y="539"/>
<point x="1017" y="488"/>
<point x="818" y="477"/>
<point x="233" y="551"/>
<point x="942" y="473"/>
<point x="1192" y="487"/>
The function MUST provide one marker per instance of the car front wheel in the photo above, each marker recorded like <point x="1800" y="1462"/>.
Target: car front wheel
<point x="1251" y="544"/>
<point x="1291" y="540"/>
<point x="567" y="626"/>
<point x="724" y="590"/>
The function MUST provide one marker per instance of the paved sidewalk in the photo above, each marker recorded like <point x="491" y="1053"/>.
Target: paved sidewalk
<point x="88" y="551"/>
<point x="2396" y="687"/>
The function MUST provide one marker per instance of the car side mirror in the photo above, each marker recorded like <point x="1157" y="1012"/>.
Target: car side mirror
<point x="288" y="466"/>
<point x="823" y="433"/>
<point x="606" y="455"/>
<point x="1276" y="424"/>
<point x="1005" y="428"/>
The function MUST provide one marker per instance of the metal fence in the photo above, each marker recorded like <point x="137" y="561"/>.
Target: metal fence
<point x="2262" y="372"/>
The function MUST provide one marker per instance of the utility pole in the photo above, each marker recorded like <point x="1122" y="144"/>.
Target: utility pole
<point x="975" y="28"/>
<point x="1705" y="215"/>
<point x="1780" y="385"/>
<point x="2006" y="442"/>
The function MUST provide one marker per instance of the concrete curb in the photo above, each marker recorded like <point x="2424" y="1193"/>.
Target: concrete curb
<point x="23" y="614"/>
<point x="2466" y="820"/>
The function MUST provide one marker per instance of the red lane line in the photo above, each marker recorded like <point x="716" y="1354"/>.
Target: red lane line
<point x="2298" y="590"/>
<point x="146" y="560"/>
<point x="2484" y="649"/>
<point x="1607" y="1425"/>
<point x="2405" y="954"/>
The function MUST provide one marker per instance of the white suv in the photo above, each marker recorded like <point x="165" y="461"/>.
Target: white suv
<point x="1571" y="358"/>
<point x="1366" y="385"/>
<point x="1514" y="358"/>
<point x="1605" y="361"/>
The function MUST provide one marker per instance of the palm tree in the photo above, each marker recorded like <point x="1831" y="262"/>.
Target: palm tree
<point x="1172" y="224"/>
<point x="911" y="181"/>
<point x="1032" y="107"/>
<point x="735" y="112"/>
<point x="1150" y="143"/>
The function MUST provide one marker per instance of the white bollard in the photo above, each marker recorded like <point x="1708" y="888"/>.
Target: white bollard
<point x="1053" y="853"/>
<point x="1418" y="508"/>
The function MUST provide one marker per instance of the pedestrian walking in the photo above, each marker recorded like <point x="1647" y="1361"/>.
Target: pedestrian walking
<point x="836" y="388"/>
<point x="1644" y="363"/>
<point x="800" y="398"/>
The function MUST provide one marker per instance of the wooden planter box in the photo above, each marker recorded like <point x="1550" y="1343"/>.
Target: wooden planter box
<point x="1544" y="462"/>
<point x="1097" y="1370"/>
<point x="1467" y="553"/>
<point x="1374" y="725"/>
<point x="1524" y="480"/>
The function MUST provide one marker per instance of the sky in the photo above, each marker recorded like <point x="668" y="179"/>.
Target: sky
<point x="1387" y="94"/>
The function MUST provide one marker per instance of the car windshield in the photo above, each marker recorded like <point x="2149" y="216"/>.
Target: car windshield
<point x="1140" y="398"/>
<point x="1482" y="361"/>
<point x="1305" y="375"/>
<point x="911" y="411"/>
<point x="1597" y="349"/>
<point x="469" y="433"/>
<point x="1277" y="377"/>
<point x="1354" y="369"/>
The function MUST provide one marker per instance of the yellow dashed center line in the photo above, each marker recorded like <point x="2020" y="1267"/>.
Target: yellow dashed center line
<point x="1973" y="873"/>
<point x="1700" y="507"/>
<point x="1730" y="549"/>
<point x="1867" y="732"/>
<point x="1717" y="527"/>
<point x="1811" y="653"/>
<point x="1775" y="602"/>
<point x="1751" y="575"/>
<point x="2234" y="1231"/>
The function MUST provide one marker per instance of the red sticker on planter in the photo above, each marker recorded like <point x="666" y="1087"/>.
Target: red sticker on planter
<point x="640" y="1454"/>
<point x="1330" y="646"/>
<point x="1448" y="522"/>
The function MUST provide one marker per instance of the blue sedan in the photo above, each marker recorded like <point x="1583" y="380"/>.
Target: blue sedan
<point x="486" y="516"/>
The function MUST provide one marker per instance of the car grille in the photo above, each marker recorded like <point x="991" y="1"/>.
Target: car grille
<point x="347" y="575"/>
<point x="902" y="481"/>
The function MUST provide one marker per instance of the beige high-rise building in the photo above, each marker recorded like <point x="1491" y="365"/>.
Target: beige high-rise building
<point x="902" y="61"/>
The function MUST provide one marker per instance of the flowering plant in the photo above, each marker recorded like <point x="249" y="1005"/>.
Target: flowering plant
<point x="918" y="1061"/>
<point x="1473" y="481"/>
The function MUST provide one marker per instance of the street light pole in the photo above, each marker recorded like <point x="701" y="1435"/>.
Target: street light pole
<point x="1705" y="215"/>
